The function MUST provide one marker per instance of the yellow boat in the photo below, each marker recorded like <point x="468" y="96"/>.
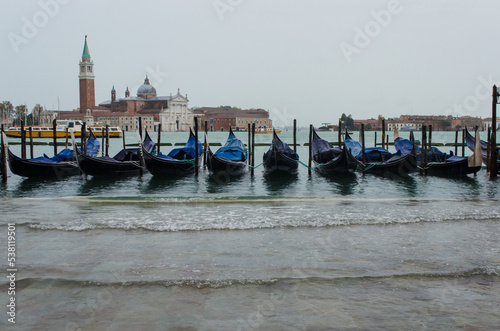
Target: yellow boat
<point x="265" y="129"/>
<point x="61" y="128"/>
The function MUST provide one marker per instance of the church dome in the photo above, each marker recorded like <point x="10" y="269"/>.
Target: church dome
<point x="146" y="90"/>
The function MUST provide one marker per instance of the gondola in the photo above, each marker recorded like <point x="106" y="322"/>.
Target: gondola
<point x="126" y="162"/>
<point x="470" y="141"/>
<point x="230" y="158"/>
<point x="61" y="165"/>
<point x="180" y="161"/>
<point x="380" y="161"/>
<point x="280" y="157"/>
<point x="329" y="159"/>
<point x="439" y="163"/>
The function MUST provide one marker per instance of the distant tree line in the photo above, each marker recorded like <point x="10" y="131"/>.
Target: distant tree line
<point x="20" y="112"/>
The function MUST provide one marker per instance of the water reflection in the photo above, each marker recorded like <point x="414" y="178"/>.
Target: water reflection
<point x="222" y="182"/>
<point x="279" y="182"/>
<point x="407" y="185"/>
<point x="41" y="186"/>
<point x="162" y="184"/>
<point x="104" y="185"/>
<point x="343" y="184"/>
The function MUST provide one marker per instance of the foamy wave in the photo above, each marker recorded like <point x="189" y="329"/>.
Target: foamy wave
<point x="491" y="271"/>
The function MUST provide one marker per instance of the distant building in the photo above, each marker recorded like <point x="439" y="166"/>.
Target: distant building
<point x="439" y="122"/>
<point x="487" y="123"/>
<point x="222" y="118"/>
<point x="171" y="111"/>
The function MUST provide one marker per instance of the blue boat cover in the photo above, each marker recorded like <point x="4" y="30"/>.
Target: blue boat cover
<point x="404" y="146"/>
<point x="93" y="146"/>
<point x="372" y="154"/>
<point x="233" y="150"/>
<point x="354" y="147"/>
<point x="148" y="144"/>
<point x="64" y="155"/>
<point x="282" y="147"/>
<point x="323" y="151"/>
<point x="185" y="153"/>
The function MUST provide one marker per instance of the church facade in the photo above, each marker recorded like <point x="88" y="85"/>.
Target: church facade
<point x="171" y="111"/>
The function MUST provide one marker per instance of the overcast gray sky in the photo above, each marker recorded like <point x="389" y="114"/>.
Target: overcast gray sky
<point x="310" y="60"/>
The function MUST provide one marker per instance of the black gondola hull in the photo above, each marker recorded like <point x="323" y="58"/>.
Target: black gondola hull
<point x="96" y="166"/>
<point x="27" y="168"/>
<point x="279" y="162"/>
<point x="344" y="163"/>
<point x="455" y="168"/>
<point x="163" y="167"/>
<point x="221" y="165"/>
<point x="398" y="168"/>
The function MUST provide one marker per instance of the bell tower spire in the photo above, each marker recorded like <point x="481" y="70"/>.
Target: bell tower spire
<point x="86" y="76"/>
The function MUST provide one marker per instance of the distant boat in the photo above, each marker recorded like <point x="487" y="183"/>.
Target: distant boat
<point x="75" y="127"/>
<point x="265" y="129"/>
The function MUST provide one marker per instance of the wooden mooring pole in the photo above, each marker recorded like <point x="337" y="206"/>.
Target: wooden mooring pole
<point x="196" y="151"/>
<point x="383" y="134"/>
<point x="430" y="137"/>
<point x="340" y="132"/>
<point x="493" y="152"/>
<point x="310" y="149"/>
<point x="31" y="142"/>
<point x="123" y="138"/>
<point x="295" y="135"/>
<point x="23" y="140"/>
<point x="4" y="156"/>
<point x="107" y="140"/>
<point x="54" y="133"/>
<point x="84" y="138"/>
<point x="456" y="142"/>
<point x="363" y="146"/>
<point x="103" y="144"/>
<point x="463" y="142"/>
<point x="249" y="146"/>
<point x="253" y="148"/>
<point x="159" y="139"/>
<point x="488" y="151"/>
<point x="423" y="157"/>
<point x="140" y="127"/>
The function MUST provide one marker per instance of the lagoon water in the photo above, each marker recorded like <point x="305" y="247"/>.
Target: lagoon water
<point x="261" y="253"/>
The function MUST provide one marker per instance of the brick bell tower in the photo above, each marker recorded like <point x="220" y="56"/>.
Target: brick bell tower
<point x="86" y="76"/>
